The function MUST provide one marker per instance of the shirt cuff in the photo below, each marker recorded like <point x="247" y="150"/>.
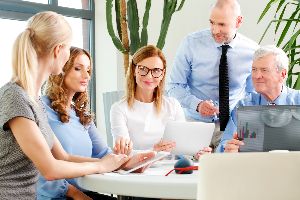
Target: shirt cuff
<point x="194" y="104"/>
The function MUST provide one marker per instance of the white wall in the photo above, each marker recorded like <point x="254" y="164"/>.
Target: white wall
<point x="193" y="17"/>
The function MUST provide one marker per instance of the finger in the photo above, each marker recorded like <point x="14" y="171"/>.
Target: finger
<point x="235" y="135"/>
<point x="123" y="145"/>
<point x="146" y="155"/>
<point x="231" y="148"/>
<point x="117" y="146"/>
<point x="127" y="146"/>
<point x="207" y="149"/>
<point x="130" y="147"/>
<point x="236" y="142"/>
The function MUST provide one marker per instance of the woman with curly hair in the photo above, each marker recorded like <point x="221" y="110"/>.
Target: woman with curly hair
<point x="67" y="103"/>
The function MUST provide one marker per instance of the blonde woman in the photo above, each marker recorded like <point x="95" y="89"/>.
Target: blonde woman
<point x="27" y="143"/>
<point x="144" y="112"/>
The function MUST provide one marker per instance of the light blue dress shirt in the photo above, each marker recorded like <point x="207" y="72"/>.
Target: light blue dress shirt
<point x="195" y="74"/>
<point x="288" y="96"/>
<point x="76" y="139"/>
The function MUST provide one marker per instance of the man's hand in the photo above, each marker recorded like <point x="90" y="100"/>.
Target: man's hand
<point x="136" y="159"/>
<point x="205" y="150"/>
<point x="164" y="146"/>
<point x="207" y="109"/>
<point x="232" y="146"/>
<point x="123" y="146"/>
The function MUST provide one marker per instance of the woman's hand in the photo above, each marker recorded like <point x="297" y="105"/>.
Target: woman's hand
<point x="205" y="150"/>
<point x="137" y="159"/>
<point x="112" y="162"/>
<point x="164" y="146"/>
<point x="233" y="146"/>
<point x="123" y="146"/>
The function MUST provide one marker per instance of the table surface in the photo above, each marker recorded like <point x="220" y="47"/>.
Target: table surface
<point x="152" y="183"/>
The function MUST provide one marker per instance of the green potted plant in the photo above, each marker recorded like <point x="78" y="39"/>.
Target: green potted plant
<point x="127" y="20"/>
<point x="289" y="37"/>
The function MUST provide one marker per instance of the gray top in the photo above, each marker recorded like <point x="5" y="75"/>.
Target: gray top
<point x="18" y="174"/>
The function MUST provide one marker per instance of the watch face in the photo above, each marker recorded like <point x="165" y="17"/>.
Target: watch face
<point x="276" y="117"/>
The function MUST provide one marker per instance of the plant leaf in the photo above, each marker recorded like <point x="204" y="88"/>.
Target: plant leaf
<point x="268" y="6"/>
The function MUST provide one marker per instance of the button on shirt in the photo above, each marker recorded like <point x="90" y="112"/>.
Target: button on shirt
<point x="288" y="96"/>
<point x="195" y="74"/>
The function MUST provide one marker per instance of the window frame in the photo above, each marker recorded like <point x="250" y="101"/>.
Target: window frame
<point x="23" y="10"/>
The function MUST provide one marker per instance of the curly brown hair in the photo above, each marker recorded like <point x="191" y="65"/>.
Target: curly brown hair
<point x="57" y="92"/>
<point x="141" y="54"/>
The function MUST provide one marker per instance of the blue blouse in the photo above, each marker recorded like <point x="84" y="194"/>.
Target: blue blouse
<point x="76" y="139"/>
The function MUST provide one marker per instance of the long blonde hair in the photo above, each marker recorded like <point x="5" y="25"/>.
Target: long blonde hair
<point x="141" y="54"/>
<point x="44" y="32"/>
<point x="57" y="92"/>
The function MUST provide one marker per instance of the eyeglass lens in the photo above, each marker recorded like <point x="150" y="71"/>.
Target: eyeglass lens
<point x="155" y="72"/>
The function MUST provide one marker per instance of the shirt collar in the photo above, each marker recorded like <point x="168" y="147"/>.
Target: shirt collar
<point x="232" y="44"/>
<point x="280" y="100"/>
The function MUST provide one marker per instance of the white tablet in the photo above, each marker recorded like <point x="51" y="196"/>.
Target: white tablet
<point x="158" y="156"/>
<point x="190" y="137"/>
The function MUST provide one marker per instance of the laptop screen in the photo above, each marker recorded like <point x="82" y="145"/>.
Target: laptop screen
<point x="266" y="128"/>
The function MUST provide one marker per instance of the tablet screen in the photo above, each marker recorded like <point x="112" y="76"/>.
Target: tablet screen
<point x="159" y="155"/>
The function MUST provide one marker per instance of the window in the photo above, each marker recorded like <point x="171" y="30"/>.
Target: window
<point x="78" y="4"/>
<point x="13" y="17"/>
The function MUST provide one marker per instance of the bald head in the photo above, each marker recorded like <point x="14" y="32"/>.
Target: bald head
<point x="232" y="5"/>
<point x="225" y="19"/>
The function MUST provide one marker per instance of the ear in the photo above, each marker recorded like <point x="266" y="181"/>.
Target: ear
<point x="57" y="50"/>
<point x="239" y="21"/>
<point x="283" y="73"/>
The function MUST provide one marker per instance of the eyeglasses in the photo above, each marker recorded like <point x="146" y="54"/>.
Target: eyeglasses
<point x="155" y="72"/>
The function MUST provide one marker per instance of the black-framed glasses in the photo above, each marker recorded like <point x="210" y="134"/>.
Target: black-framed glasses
<point x="155" y="72"/>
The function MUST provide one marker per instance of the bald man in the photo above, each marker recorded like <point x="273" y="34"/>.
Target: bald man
<point x="194" y="79"/>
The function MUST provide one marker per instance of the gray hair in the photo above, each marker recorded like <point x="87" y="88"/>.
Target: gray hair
<point x="233" y="4"/>
<point x="281" y="59"/>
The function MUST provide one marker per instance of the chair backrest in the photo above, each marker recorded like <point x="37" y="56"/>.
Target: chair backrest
<point x="249" y="176"/>
<point x="110" y="98"/>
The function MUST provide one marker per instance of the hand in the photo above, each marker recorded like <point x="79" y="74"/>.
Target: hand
<point x="137" y="159"/>
<point x="207" y="108"/>
<point x="164" y="146"/>
<point x="205" y="150"/>
<point x="76" y="194"/>
<point x="123" y="146"/>
<point x="112" y="162"/>
<point x="232" y="146"/>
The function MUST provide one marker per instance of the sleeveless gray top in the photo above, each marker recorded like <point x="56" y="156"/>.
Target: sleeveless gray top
<point x="18" y="174"/>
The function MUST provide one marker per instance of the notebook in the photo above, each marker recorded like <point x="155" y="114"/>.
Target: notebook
<point x="190" y="137"/>
<point x="267" y="128"/>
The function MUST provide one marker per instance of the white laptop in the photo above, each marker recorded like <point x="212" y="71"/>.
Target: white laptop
<point x="190" y="137"/>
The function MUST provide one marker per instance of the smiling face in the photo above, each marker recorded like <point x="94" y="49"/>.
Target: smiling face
<point x="76" y="80"/>
<point x="266" y="77"/>
<point x="224" y="24"/>
<point x="148" y="82"/>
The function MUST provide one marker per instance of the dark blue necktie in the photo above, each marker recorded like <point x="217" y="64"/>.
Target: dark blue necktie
<point x="223" y="89"/>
